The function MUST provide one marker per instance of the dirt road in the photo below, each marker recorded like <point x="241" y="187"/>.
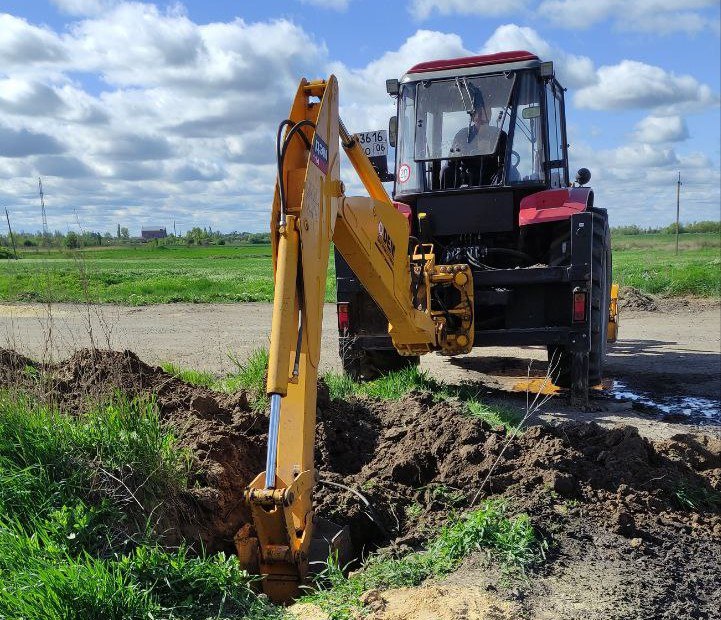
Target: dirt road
<point x="667" y="364"/>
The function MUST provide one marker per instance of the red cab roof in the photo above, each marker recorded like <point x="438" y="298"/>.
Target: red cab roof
<point x="472" y="61"/>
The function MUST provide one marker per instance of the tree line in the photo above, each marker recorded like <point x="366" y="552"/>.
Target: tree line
<point x="86" y="239"/>
<point x="706" y="226"/>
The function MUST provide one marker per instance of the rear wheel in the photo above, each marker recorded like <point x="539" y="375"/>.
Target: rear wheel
<point x="364" y="365"/>
<point x="561" y="360"/>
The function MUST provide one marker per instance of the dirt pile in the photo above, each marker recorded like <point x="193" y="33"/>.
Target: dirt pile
<point x="417" y="461"/>
<point x="414" y="459"/>
<point x="631" y="298"/>
<point x="225" y="439"/>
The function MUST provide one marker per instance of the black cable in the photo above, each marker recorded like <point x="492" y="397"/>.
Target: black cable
<point x="281" y="150"/>
<point x="420" y="275"/>
<point x="279" y="161"/>
<point x="299" y="340"/>
<point x="511" y="252"/>
<point x="370" y="512"/>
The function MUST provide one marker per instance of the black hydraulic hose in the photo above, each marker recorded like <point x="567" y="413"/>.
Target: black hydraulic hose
<point x="279" y="161"/>
<point x="280" y="153"/>
<point x="511" y="252"/>
<point x="299" y="340"/>
<point x="370" y="512"/>
<point x="420" y="275"/>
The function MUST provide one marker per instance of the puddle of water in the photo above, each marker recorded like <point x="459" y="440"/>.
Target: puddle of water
<point x="698" y="410"/>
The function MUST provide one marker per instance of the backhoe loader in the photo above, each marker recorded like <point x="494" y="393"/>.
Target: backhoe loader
<point x="427" y="304"/>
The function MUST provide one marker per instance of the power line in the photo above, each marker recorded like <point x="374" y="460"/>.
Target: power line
<point x="678" y="206"/>
<point x="46" y="231"/>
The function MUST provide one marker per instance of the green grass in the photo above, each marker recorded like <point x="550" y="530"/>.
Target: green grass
<point x="696" y="498"/>
<point x="510" y="540"/>
<point x="649" y="263"/>
<point x="194" y="377"/>
<point x="148" y="274"/>
<point x="250" y="376"/>
<point x="75" y="544"/>
<point x="144" y="275"/>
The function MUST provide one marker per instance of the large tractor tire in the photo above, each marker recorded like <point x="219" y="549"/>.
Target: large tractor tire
<point x="601" y="277"/>
<point x="365" y="365"/>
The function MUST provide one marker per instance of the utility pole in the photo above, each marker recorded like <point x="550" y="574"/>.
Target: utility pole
<point x="46" y="232"/>
<point x="12" y="239"/>
<point x="678" y="207"/>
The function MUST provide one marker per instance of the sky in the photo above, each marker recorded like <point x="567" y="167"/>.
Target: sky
<point x="165" y="113"/>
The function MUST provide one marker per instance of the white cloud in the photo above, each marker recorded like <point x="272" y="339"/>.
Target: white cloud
<point x="656" y="16"/>
<point x="633" y="84"/>
<point x="423" y="9"/>
<point x="184" y="125"/>
<point x="648" y="173"/>
<point x="573" y="71"/>
<point x="157" y="135"/>
<point x="659" y="129"/>
<point x="31" y="98"/>
<point x="366" y="86"/>
<point x="23" y="44"/>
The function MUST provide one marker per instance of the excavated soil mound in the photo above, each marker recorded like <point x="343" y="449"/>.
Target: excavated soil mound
<point x="417" y="461"/>
<point x="630" y="298"/>
<point x="414" y="460"/>
<point x="220" y="432"/>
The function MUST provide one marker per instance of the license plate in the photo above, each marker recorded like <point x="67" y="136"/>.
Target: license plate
<point x="374" y="143"/>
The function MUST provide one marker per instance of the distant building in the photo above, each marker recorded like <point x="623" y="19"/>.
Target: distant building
<point x="152" y="232"/>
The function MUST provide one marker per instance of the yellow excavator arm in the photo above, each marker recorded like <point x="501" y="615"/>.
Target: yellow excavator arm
<point x="309" y="212"/>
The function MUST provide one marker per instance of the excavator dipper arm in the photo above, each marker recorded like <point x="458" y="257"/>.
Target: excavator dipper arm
<point x="309" y="212"/>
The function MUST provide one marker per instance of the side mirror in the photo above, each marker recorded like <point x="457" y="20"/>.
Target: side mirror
<point x="393" y="131"/>
<point x="532" y="111"/>
<point x="583" y="176"/>
<point x="392" y="87"/>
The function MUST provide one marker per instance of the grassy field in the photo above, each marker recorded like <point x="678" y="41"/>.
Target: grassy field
<point x="650" y="264"/>
<point x="142" y="275"/>
<point x="149" y="274"/>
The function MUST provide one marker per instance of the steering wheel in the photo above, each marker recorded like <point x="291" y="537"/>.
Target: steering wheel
<point x="514" y="164"/>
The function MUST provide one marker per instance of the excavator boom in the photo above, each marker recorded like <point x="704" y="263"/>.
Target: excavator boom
<point x="309" y="212"/>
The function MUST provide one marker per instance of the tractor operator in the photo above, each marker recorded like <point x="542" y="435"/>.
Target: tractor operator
<point x="477" y="152"/>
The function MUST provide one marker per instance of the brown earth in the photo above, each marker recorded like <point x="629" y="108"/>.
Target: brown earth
<point x="634" y="526"/>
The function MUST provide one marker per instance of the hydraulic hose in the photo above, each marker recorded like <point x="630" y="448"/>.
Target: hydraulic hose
<point x="280" y="153"/>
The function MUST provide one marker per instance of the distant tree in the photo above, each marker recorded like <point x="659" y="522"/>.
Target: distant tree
<point x="72" y="241"/>
<point x="124" y="234"/>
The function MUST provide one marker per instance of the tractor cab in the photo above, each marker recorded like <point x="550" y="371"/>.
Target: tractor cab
<point x="494" y="121"/>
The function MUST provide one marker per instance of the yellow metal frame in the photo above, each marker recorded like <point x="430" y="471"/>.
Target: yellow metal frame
<point x="612" y="333"/>
<point x="372" y="236"/>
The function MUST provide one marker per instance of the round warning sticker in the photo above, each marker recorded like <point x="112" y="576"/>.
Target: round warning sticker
<point x="404" y="173"/>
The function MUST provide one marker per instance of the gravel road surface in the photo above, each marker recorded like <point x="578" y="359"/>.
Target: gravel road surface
<point x="666" y="365"/>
